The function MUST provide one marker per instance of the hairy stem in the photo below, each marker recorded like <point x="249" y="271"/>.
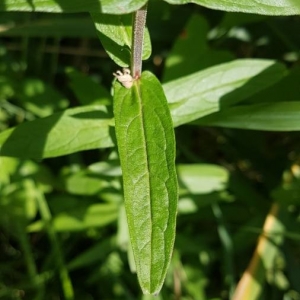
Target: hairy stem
<point x="139" y="21"/>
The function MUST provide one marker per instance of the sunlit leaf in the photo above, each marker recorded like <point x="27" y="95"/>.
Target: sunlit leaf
<point x="73" y="130"/>
<point x="72" y="6"/>
<point x="147" y="152"/>
<point x="264" y="7"/>
<point x="202" y="93"/>
<point x="202" y="178"/>
<point x="280" y="116"/>
<point x="82" y="218"/>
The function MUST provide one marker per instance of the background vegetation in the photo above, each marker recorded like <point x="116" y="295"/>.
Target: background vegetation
<point x="62" y="233"/>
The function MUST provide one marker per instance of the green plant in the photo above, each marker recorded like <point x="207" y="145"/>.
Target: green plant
<point x="225" y="93"/>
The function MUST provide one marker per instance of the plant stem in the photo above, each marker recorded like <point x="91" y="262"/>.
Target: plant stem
<point x="139" y="21"/>
<point x="227" y="244"/>
<point x="67" y="287"/>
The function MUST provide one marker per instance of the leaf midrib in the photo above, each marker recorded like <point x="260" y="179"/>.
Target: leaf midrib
<point x="137" y="88"/>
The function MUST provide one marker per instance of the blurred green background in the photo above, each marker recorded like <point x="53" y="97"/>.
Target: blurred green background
<point x="62" y="229"/>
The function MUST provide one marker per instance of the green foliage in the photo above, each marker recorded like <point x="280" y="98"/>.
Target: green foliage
<point x="61" y="133"/>
<point x="180" y="63"/>
<point x="281" y="7"/>
<point x="208" y="91"/>
<point x="72" y="6"/>
<point x="92" y="163"/>
<point x="219" y="86"/>
<point x="280" y="116"/>
<point x="145" y="135"/>
<point x="115" y="33"/>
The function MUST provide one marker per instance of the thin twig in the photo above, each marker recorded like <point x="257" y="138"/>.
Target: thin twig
<point x="139" y="21"/>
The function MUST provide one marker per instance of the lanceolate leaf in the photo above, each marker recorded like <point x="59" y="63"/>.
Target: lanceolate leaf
<point x="71" y="6"/>
<point x="264" y="7"/>
<point x="146" y="145"/>
<point x="59" y="134"/>
<point x="280" y="116"/>
<point x="115" y="33"/>
<point x="202" y="93"/>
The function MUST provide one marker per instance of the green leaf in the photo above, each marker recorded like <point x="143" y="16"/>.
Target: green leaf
<point x="115" y="33"/>
<point x="106" y="168"/>
<point x="190" y="98"/>
<point x="287" y="89"/>
<point x="87" y="91"/>
<point x="82" y="218"/>
<point x="202" y="178"/>
<point x="146" y="146"/>
<point x="205" y="92"/>
<point x="8" y="166"/>
<point x="263" y="7"/>
<point x="280" y="116"/>
<point x="73" y="130"/>
<point x="191" y="52"/>
<point x="86" y="184"/>
<point x="52" y="26"/>
<point x="73" y="6"/>
<point x="18" y="203"/>
<point x="199" y="186"/>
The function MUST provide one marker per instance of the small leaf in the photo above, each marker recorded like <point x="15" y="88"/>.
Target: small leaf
<point x="73" y="130"/>
<point x="86" y="184"/>
<point x="280" y="116"/>
<point x="263" y="7"/>
<point x="205" y="92"/>
<point x="18" y="203"/>
<point x="202" y="178"/>
<point x="146" y="146"/>
<point x="82" y="218"/>
<point x="8" y="166"/>
<point x="106" y="168"/>
<point x="115" y="33"/>
<point x="72" y="6"/>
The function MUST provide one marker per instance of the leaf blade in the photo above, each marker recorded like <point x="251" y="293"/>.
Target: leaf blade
<point x="262" y="7"/>
<point x="205" y="92"/>
<point x="115" y="33"/>
<point x="73" y="6"/>
<point x="279" y="116"/>
<point x="73" y="130"/>
<point x="146" y="145"/>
